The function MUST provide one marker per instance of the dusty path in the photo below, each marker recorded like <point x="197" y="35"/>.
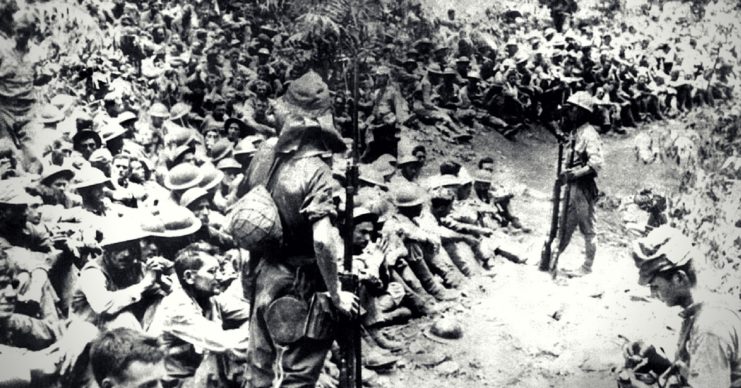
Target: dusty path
<point x="522" y="329"/>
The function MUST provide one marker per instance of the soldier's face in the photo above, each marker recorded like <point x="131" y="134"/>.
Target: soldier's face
<point x="87" y="147"/>
<point x="121" y="257"/>
<point x="149" y="249"/>
<point x="33" y="215"/>
<point x="157" y="121"/>
<point x="205" y="280"/>
<point x="488" y="167"/>
<point x="672" y="291"/>
<point x="121" y="168"/>
<point x="362" y="235"/>
<point x="60" y="184"/>
<point x="138" y="375"/>
<point x="211" y="138"/>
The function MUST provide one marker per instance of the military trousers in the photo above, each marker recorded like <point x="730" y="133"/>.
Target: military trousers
<point x="297" y="365"/>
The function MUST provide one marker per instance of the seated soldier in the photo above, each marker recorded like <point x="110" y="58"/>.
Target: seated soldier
<point x="708" y="354"/>
<point x="381" y="298"/>
<point x="116" y="289"/>
<point x="498" y="196"/>
<point x="405" y="240"/>
<point x="23" y="324"/>
<point x="190" y="322"/>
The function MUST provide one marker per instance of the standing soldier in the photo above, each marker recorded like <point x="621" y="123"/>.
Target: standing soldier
<point x="581" y="176"/>
<point x="305" y="263"/>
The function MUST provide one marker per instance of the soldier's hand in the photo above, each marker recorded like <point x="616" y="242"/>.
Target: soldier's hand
<point x="566" y="176"/>
<point x="347" y="303"/>
<point x="639" y="352"/>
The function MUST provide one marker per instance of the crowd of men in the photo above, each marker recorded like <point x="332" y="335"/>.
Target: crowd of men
<point x="120" y="162"/>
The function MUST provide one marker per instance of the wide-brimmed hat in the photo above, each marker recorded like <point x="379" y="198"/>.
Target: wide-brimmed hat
<point x="50" y="114"/>
<point x="583" y="100"/>
<point x="361" y="214"/>
<point x="13" y="192"/>
<point x="119" y="230"/>
<point x="85" y="134"/>
<point x="222" y="149"/>
<point x="53" y="172"/>
<point x="371" y="175"/>
<point x="228" y="164"/>
<point x="442" y="180"/>
<point x="158" y="109"/>
<point x="408" y="195"/>
<point x="444" y="330"/>
<point x="111" y="131"/>
<point x="183" y="176"/>
<point x="211" y="177"/>
<point x="89" y="177"/>
<point x="244" y="147"/>
<point x="125" y="116"/>
<point x="407" y="159"/>
<point x="482" y="176"/>
<point x="101" y="155"/>
<point x="308" y="96"/>
<point x="192" y="195"/>
<point x="179" y="222"/>
<point x="434" y="69"/>
<point x="179" y="111"/>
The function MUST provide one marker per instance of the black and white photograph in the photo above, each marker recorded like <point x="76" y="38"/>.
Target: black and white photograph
<point x="370" y="193"/>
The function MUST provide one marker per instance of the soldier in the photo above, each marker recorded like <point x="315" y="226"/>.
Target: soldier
<point x="301" y="185"/>
<point x="582" y="176"/>
<point x="126" y="358"/>
<point x="115" y="289"/>
<point x="708" y="352"/>
<point x="190" y="320"/>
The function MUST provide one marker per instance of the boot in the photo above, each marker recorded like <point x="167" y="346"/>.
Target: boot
<point x="375" y="357"/>
<point x="442" y="265"/>
<point x="398" y="315"/>
<point x="384" y="341"/>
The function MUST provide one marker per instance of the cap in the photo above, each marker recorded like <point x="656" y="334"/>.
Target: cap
<point x="583" y="100"/>
<point x="663" y="249"/>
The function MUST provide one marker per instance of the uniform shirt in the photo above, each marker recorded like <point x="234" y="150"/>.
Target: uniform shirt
<point x="99" y="295"/>
<point x="302" y="188"/>
<point x="588" y="148"/>
<point x="187" y="332"/>
<point x="709" y="346"/>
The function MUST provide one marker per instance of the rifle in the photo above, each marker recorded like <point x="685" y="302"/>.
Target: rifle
<point x="545" y="253"/>
<point x="564" y="211"/>
<point x="349" y="339"/>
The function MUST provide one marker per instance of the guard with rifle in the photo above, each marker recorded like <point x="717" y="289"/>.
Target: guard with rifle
<point x="578" y="180"/>
<point x="295" y="286"/>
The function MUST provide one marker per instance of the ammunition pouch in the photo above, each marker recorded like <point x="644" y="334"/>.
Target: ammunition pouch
<point x="322" y="319"/>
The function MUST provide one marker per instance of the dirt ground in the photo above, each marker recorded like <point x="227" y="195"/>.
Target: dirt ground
<point x="523" y="329"/>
